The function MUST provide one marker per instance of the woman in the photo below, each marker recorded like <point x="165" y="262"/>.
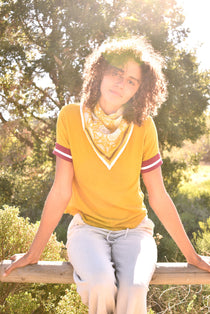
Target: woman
<point x="102" y="146"/>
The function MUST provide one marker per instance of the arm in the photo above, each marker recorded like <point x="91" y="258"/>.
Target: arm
<point x="166" y="211"/>
<point x="54" y="207"/>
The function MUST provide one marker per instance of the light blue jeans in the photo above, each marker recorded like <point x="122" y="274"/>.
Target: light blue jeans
<point x="112" y="269"/>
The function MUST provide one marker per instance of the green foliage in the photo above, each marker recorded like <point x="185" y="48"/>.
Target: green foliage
<point x="193" y="206"/>
<point x="173" y="172"/>
<point x="16" y="235"/>
<point x="19" y="302"/>
<point x="26" y="175"/>
<point x="202" y="238"/>
<point x="181" y="117"/>
<point x="71" y="301"/>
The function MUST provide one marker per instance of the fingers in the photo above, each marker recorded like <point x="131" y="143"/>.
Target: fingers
<point x="202" y="262"/>
<point x="205" y="262"/>
<point x="8" y="270"/>
<point x="17" y="256"/>
<point x="19" y="260"/>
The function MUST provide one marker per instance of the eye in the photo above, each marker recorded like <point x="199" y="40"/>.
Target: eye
<point x="132" y="83"/>
<point x="116" y="72"/>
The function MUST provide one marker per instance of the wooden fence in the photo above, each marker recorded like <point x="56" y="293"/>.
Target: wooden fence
<point x="62" y="272"/>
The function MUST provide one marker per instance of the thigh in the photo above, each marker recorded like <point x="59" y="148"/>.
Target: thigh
<point x="89" y="253"/>
<point x="134" y="257"/>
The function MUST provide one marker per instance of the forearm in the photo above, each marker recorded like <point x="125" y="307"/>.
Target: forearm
<point x="54" y="207"/>
<point x="53" y="210"/>
<point x="168" y="215"/>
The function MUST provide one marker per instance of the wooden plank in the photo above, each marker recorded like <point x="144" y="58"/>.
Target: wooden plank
<point x="62" y="272"/>
<point x="179" y="274"/>
<point x="42" y="272"/>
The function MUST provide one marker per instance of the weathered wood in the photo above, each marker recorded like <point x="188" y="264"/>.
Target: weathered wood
<point x="62" y="272"/>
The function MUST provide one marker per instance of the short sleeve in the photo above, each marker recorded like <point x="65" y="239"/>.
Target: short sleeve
<point x="151" y="155"/>
<point x="62" y="145"/>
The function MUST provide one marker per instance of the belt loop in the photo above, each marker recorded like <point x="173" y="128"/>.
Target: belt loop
<point x="107" y="237"/>
<point x="126" y="233"/>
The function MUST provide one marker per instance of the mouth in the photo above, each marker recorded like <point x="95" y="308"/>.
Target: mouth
<point x="115" y="93"/>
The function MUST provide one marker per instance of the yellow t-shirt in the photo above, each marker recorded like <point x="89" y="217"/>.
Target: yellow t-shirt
<point x="106" y="198"/>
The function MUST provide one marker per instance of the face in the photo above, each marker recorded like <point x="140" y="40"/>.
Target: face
<point x="119" y="85"/>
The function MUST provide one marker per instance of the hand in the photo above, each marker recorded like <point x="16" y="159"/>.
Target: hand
<point x="19" y="260"/>
<point x="202" y="262"/>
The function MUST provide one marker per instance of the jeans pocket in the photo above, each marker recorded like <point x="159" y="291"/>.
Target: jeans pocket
<point x="76" y="221"/>
<point x="147" y="225"/>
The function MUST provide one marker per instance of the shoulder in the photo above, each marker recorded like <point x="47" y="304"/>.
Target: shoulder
<point x="147" y="125"/>
<point x="69" y="113"/>
<point x="70" y="109"/>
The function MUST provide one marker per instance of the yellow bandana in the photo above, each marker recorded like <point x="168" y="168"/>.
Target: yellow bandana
<point x="108" y="134"/>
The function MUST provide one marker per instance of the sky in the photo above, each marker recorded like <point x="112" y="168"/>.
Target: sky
<point x="197" y="19"/>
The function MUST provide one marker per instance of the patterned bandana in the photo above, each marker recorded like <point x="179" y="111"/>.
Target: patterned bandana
<point x="107" y="134"/>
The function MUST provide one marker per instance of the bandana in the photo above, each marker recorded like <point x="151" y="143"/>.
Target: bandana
<point x="107" y="134"/>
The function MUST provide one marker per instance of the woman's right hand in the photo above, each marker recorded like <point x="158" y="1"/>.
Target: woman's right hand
<point x="19" y="260"/>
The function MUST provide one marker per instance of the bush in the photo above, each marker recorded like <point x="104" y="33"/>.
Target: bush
<point x="71" y="301"/>
<point x="202" y="238"/>
<point x="16" y="235"/>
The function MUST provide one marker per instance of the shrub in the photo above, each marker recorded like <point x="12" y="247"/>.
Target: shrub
<point x="71" y="301"/>
<point x="202" y="238"/>
<point x="16" y="235"/>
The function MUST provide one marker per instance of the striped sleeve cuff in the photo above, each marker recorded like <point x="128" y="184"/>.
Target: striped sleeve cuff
<point x="151" y="164"/>
<point x="62" y="152"/>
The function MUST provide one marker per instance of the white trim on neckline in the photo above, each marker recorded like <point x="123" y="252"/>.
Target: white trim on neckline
<point x="109" y="166"/>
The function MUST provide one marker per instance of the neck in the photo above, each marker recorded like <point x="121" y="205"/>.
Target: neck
<point x="108" y="109"/>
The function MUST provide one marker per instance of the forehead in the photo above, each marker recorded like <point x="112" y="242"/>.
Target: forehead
<point x="125" y="60"/>
<point x="130" y="69"/>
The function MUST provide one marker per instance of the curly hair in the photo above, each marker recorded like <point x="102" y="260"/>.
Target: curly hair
<point x="152" y="91"/>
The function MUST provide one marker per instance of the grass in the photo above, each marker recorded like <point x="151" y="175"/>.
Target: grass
<point x="199" y="181"/>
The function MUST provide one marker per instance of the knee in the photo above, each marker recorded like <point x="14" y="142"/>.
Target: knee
<point x="101" y="296"/>
<point x="102" y="284"/>
<point x="138" y="290"/>
<point x="132" y="299"/>
<point x="133" y="291"/>
<point x="97" y="287"/>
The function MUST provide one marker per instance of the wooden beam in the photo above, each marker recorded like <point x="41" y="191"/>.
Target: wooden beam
<point x="62" y="272"/>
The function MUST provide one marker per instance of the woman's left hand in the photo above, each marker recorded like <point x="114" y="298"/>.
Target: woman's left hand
<point x="202" y="262"/>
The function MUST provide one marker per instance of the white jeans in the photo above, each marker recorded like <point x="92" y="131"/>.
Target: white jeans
<point x="112" y="269"/>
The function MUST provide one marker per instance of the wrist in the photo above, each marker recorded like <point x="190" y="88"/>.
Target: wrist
<point x="32" y="257"/>
<point x="193" y="258"/>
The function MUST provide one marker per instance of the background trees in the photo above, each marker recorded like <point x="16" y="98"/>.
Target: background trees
<point x="51" y="39"/>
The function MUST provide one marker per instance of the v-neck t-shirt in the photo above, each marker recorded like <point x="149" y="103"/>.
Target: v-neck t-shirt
<point x="109" y="198"/>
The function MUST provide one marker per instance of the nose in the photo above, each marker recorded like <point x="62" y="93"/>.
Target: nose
<point x="120" y="82"/>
